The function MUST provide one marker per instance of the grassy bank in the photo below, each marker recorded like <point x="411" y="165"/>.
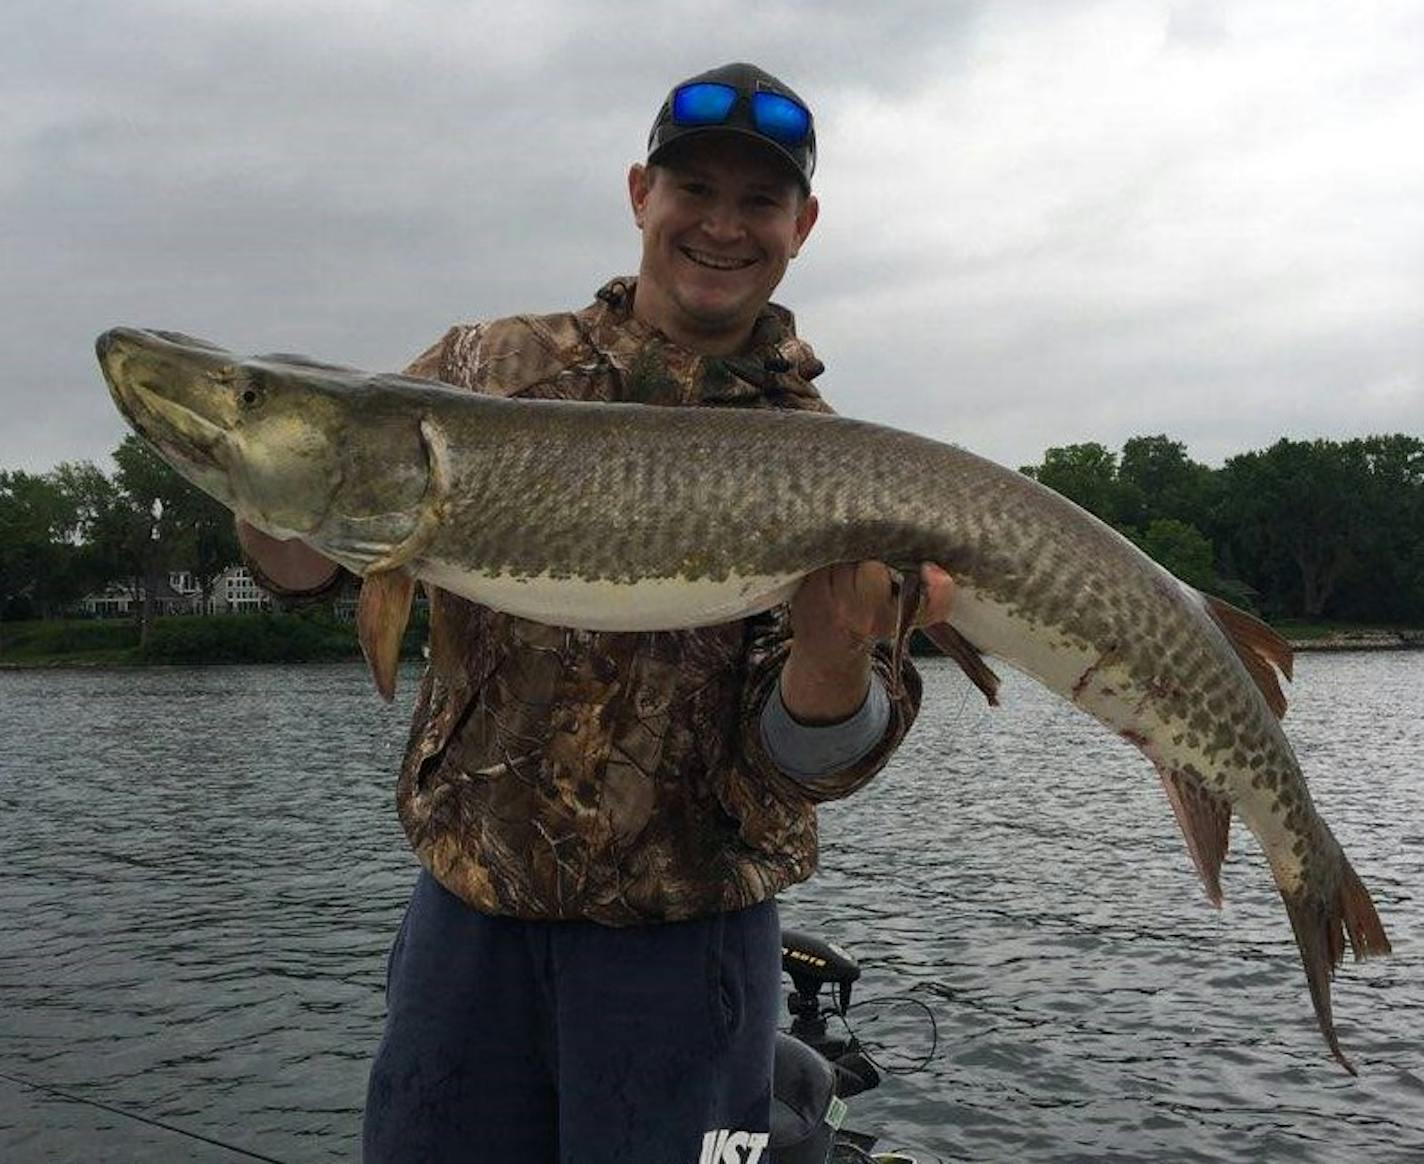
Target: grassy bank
<point x="188" y="639"/>
<point x="1344" y="636"/>
<point x="318" y="637"/>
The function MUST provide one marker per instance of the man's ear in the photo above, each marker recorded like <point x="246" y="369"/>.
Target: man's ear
<point x="805" y="220"/>
<point x="639" y="180"/>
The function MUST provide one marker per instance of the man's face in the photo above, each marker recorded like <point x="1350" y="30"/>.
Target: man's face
<point x="720" y="220"/>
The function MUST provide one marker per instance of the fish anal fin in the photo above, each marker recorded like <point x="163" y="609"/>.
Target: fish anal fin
<point x="1258" y="646"/>
<point x="381" y="617"/>
<point x="968" y="656"/>
<point x="1205" y="821"/>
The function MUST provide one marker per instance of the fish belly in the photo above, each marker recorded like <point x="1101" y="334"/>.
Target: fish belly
<point x="1052" y="657"/>
<point x="647" y="604"/>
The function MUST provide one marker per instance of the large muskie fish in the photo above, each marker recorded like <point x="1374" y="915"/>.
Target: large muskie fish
<point x="628" y="517"/>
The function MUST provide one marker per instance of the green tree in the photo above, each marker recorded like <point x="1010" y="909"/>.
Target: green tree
<point x="143" y="522"/>
<point x="1182" y="549"/>
<point x="153" y="530"/>
<point x="37" y="549"/>
<point x="1088" y="474"/>
<point x="102" y="522"/>
<point x="1383" y="586"/>
<point x="1294" y="512"/>
<point x="1169" y="484"/>
<point x="206" y="538"/>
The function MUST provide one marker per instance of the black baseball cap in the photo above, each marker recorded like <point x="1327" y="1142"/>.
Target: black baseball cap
<point x="742" y="99"/>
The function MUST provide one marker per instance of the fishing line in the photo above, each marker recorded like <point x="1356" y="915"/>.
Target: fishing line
<point x="918" y="1065"/>
<point x="143" y="1119"/>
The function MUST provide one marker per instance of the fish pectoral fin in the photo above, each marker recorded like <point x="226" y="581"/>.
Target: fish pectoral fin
<point x="1258" y="646"/>
<point x="432" y="506"/>
<point x="968" y="656"/>
<point x="1205" y="821"/>
<point x="381" y="617"/>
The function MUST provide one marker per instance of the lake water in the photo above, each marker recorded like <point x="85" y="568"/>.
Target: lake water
<point x="201" y="872"/>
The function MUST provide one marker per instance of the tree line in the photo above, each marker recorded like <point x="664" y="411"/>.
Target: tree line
<point x="74" y="530"/>
<point x="1317" y="530"/>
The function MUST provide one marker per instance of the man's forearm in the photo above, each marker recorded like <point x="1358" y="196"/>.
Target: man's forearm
<point x="827" y="687"/>
<point x="810" y="751"/>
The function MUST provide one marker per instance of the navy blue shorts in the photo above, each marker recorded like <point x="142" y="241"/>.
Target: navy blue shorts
<point x="570" y="1042"/>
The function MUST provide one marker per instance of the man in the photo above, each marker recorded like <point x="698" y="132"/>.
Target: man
<point x="588" y="970"/>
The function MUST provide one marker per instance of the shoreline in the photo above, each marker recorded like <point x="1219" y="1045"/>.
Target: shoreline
<point x="1362" y="641"/>
<point x="1336" y="641"/>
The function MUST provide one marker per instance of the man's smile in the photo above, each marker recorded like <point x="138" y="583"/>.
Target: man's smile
<point x="716" y="262"/>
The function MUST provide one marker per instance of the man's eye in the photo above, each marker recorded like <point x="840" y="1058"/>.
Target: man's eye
<point x="698" y="188"/>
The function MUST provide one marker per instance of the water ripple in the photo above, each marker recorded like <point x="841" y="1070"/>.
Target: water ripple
<point x="203" y="873"/>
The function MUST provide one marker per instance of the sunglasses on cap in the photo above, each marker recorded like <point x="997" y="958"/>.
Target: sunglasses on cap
<point x="773" y="115"/>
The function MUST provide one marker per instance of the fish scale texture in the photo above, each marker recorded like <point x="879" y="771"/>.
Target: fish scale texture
<point x="627" y="494"/>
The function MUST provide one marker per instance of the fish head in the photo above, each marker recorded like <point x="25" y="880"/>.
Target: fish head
<point x="296" y="447"/>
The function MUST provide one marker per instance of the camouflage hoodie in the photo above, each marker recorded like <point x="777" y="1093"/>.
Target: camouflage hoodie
<point x="619" y="777"/>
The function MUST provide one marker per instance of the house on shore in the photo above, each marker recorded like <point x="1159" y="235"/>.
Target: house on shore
<point x="234" y="592"/>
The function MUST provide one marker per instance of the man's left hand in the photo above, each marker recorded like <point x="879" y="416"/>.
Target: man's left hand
<point x="837" y="615"/>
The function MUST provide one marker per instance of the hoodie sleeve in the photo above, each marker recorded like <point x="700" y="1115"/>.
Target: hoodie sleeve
<point x="835" y="746"/>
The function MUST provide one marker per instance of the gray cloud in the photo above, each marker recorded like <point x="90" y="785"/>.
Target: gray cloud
<point x="1041" y="222"/>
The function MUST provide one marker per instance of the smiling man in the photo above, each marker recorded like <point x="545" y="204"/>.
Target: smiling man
<point x="721" y="219"/>
<point x="588" y="970"/>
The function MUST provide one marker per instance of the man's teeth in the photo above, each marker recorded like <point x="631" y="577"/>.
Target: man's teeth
<point x="702" y="258"/>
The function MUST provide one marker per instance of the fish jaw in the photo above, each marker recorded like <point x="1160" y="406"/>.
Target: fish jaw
<point x="166" y="386"/>
<point x="278" y="440"/>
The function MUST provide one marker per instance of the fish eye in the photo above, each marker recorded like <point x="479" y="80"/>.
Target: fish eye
<point x="250" y="395"/>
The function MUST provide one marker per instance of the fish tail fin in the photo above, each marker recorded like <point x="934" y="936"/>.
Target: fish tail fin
<point x="381" y="617"/>
<point x="1357" y="911"/>
<point x="1322" y="924"/>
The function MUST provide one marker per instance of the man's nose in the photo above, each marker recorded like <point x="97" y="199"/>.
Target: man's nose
<point x="723" y="222"/>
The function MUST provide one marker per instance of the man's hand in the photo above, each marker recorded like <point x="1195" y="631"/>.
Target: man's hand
<point x="837" y="615"/>
<point x="292" y="565"/>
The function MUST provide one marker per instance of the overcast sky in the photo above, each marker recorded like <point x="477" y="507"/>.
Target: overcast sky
<point x="1042" y="222"/>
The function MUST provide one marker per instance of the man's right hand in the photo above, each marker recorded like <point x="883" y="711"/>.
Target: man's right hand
<point x="291" y="565"/>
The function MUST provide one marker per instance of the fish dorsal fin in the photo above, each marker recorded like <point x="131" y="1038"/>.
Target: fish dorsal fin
<point x="1258" y="646"/>
<point x="1206" y="824"/>
<point x="381" y="616"/>
<point x="968" y="656"/>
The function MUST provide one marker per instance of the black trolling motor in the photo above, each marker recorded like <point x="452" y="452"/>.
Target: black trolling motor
<point x="812" y="965"/>
<point x="816" y="1072"/>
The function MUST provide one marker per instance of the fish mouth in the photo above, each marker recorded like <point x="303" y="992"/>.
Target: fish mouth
<point x="178" y="429"/>
<point x="155" y="389"/>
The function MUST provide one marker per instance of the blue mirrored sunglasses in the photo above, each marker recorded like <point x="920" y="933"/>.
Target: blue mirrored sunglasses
<point x="711" y="103"/>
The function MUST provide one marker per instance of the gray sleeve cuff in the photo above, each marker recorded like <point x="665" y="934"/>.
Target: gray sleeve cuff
<point x="808" y="751"/>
